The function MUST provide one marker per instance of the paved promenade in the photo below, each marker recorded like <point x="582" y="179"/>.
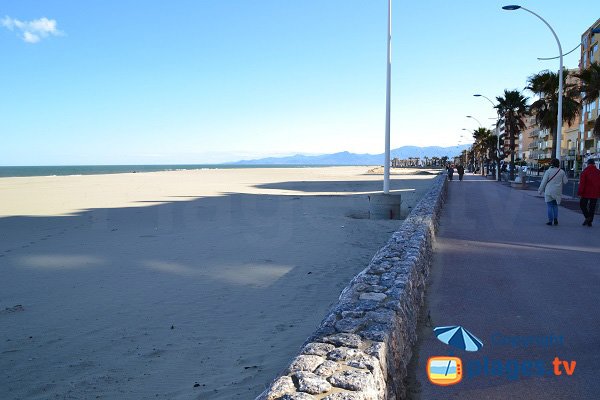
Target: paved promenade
<point x="529" y="291"/>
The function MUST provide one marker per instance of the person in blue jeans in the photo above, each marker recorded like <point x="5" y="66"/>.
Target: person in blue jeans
<point x="552" y="187"/>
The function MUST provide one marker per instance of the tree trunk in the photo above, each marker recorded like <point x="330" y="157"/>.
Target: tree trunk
<point x="512" y="157"/>
<point x="482" y="166"/>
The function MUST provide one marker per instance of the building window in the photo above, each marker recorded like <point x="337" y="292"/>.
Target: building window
<point x="593" y="51"/>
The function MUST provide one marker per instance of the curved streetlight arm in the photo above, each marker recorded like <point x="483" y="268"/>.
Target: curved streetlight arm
<point x="549" y="27"/>
<point x="594" y="31"/>
<point x="554" y="58"/>
<point x="470" y="116"/>
<point x="560" y="79"/>
<point x="487" y="98"/>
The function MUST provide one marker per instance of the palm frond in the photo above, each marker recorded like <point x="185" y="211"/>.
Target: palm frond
<point x="589" y="79"/>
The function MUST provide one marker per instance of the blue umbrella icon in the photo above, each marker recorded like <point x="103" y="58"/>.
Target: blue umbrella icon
<point x="458" y="337"/>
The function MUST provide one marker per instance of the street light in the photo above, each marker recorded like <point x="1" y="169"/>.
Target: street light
<point x="487" y="98"/>
<point x="469" y="116"/>
<point x="497" y="134"/>
<point x="386" y="165"/>
<point x="594" y="31"/>
<point x="560" y="78"/>
<point x="386" y="205"/>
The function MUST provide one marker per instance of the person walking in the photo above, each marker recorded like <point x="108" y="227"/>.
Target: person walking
<point x="589" y="191"/>
<point x="552" y="186"/>
<point x="461" y="171"/>
<point x="450" y="172"/>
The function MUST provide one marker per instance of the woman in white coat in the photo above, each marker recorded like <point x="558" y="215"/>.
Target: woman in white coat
<point x="552" y="186"/>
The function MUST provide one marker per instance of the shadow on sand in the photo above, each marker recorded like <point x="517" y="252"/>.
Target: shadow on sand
<point x="219" y="291"/>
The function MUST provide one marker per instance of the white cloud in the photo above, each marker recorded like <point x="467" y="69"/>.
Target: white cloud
<point x="30" y="37"/>
<point x="32" y="31"/>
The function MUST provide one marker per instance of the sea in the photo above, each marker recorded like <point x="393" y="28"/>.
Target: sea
<point x="65" y="170"/>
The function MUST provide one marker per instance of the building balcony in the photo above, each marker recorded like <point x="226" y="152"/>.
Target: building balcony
<point x="589" y="135"/>
<point x="538" y="154"/>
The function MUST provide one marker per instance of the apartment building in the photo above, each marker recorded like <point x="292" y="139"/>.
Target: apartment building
<point x="523" y="145"/>
<point x="587" y="144"/>
<point x="539" y="143"/>
<point x="570" y="135"/>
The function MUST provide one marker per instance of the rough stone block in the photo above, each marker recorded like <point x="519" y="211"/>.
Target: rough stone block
<point x="373" y="296"/>
<point x="328" y="368"/>
<point x="317" y="349"/>
<point x="375" y="288"/>
<point x="305" y="363"/>
<point x="282" y="386"/>
<point x="378" y="268"/>
<point x="343" y="354"/>
<point x="311" y="383"/>
<point x="353" y="380"/>
<point x="368" y="279"/>
<point x="363" y="361"/>
<point x="352" y="314"/>
<point x="350" y="325"/>
<point x="344" y="339"/>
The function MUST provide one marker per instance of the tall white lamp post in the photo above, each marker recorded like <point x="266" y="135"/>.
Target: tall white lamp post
<point x="560" y="78"/>
<point x="385" y="205"/>
<point x="386" y="161"/>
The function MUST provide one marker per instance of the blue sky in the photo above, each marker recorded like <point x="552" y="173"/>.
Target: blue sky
<point x="195" y="81"/>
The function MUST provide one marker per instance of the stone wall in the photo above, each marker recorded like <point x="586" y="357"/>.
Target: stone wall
<point x="361" y="349"/>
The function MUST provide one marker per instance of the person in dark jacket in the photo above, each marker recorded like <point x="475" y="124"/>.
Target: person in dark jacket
<point x="461" y="171"/>
<point x="450" y="172"/>
<point x="589" y="191"/>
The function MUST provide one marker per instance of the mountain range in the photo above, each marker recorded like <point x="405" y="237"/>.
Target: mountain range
<point x="347" y="158"/>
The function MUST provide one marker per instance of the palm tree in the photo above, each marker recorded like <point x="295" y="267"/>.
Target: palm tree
<point x="589" y="88"/>
<point x="483" y="139"/>
<point x="490" y="144"/>
<point x="513" y="107"/>
<point x="545" y="85"/>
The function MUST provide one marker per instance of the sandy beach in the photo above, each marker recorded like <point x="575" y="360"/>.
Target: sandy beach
<point x="176" y="285"/>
